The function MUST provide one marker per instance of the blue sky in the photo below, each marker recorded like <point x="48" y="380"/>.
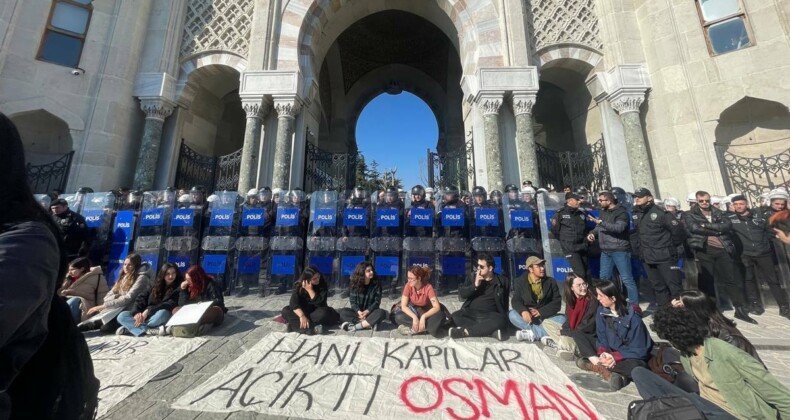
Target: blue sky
<point x="396" y="131"/>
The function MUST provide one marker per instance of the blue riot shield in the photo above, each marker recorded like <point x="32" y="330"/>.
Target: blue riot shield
<point x="75" y="201"/>
<point x="251" y="243"/>
<point x="521" y="231"/>
<point x="557" y="265"/>
<point x="487" y="232"/>
<point x="44" y="200"/>
<point x="353" y="238"/>
<point x="125" y="222"/>
<point x="322" y="234"/>
<point x="287" y="241"/>
<point x="386" y="241"/>
<point x="182" y="246"/>
<point x="97" y="209"/>
<point x="452" y="244"/>
<point x="219" y="242"/>
<point x="155" y="213"/>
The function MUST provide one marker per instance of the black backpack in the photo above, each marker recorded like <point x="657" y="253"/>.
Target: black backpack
<point x="664" y="408"/>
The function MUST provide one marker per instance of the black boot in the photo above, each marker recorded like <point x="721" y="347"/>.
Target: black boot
<point x="757" y="308"/>
<point x="784" y="311"/>
<point x="740" y="313"/>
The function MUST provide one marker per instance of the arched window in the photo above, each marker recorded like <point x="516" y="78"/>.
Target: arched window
<point x="726" y="25"/>
<point x="64" y="36"/>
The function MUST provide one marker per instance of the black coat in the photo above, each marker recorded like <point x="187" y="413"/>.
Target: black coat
<point x="146" y="301"/>
<point x="658" y="234"/>
<point x="752" y="234"/>
<point x="699" y="228"/>
<point x="569" y="226"/>
<point x="469" y="292"/>
<point x="613" y="231"/>
<point x="523" y="299"/>
<point x="587" y="324"/>
<point x="77" y="236"/>
<point x="210" y="293"/>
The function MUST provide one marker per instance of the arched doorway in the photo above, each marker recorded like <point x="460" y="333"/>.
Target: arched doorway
<point x="48" y="149"/>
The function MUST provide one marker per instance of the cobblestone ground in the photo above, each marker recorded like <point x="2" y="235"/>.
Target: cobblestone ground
<point x="251" y="318"/>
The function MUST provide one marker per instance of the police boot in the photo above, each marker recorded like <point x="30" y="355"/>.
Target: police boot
<point x="784" y="311"/>
<point x="757" y="308"/>
<point x="740" y="313"/>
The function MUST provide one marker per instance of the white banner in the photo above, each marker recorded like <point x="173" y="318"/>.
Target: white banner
<point x="125" y="364"/>
<point x="343" y="377"/>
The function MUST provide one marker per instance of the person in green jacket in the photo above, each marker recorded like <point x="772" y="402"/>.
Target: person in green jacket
<point x="732" y="383"/>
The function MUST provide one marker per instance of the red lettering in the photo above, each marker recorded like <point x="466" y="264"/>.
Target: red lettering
<point x="404" y="394"/>
<point x="534" y="391"/>
<point x="511" y="387"/>
<point x="578" y="403"/>
<point x="446" y="385"/>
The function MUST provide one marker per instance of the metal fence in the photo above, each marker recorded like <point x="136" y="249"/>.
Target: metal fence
<point x="452" y="168"/>
<point x="752" y="176"/>
<point x="49" y="176"/>
<point x="328" y="171"/>
<point x="212" y="172"/>
<point x="586" y="168"/>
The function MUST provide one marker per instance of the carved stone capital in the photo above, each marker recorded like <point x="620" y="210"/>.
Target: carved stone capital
<point x="157" y="109"/>
<point x="287" y="107"/>
<point x="255" y="109"/>
<point x="490" y="105"/>
<point x="522" y="104"/>
<point x="627" y="103"/>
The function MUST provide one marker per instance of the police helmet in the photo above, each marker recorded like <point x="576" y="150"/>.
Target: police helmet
<point x="359" y="193"/>
<point x="511" y="188"/>
<point x="692" y="197"/>
<point x="252" y="192"/>
<point x="716" y="199"/>
<point x="211" y="198"/>
<point x="429" y="190"/>
<point x="478" y="190"/>
<point x="671" y="202"/>
<point x="85" y="190"/>
<point x="418" y="190"/>
<point x="452" y="191"/>
<point x="528" y="190"/>
<point x="496" y="195"/>
<point x="197" y="189"/>
<point x="778" y="194"/>
<point x="185" y="198"/>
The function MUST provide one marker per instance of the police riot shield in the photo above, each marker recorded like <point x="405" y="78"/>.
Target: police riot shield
<point x="522" y="231"/>
<point x="386" y="240"/>
<point x="557" y="265"/>
<point x="487" y="231"/>
<point x="418" y="242"/>
<point x="97" y="209"/>
<point x="125" y="220"/>
<point x="252" y="242"/>
<point x="452" y="243"/>
<point x="219" y="241"/>
<point x="322" y="234"/>
<point x="44" y="200"/>
<point x="287" y="242"/>
<point x="182" y="246"/>
<point x="353" y="238"/>
<point x="75" y="201"/>
<point x="155" y="212"/>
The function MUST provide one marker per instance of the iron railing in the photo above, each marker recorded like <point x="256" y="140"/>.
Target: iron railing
<point x="328" y="171"/>
<point x="752" y="176"/>
<point x="49" y="176"/>
<point x="213" y="173"/>
<point x="586" y="168"/>
<point x="452" y="168"/>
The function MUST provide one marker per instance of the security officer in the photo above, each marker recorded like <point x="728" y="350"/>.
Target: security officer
<point x="452" y="199"/>
<point x="656" y="231"/>
<point x="418" y="200"/>
<point x="358" y="201"/>
<point x="569" y="227"/>
<point x="76" y="235"/>
<point x="391" y="201"/>
<point x="514" y="202"/>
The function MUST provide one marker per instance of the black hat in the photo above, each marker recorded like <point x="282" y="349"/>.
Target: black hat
<point x="642" y="192"/>
<point x="569" y="195"/>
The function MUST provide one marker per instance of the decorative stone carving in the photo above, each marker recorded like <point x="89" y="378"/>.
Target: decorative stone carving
<point x="567" y="21"/>
<point x="287" y="108"/>
<point x="522" y="104"/>
<point x="490" y="106"/>
<point x="255" y="109"/>
<point x="630" y="103"/>
<point x="156" y="109"/>
<point x="217" y="25"/>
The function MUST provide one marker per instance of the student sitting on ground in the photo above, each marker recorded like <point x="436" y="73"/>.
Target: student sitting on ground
<point x="419" y="310"/>
<point x="623" y="339"/>
<point x="152" y="310"/>
<point x="581" y="307"/>
<point x="536" y="298"/>
<point x="484" y="312"/>
<point x="199" y="287"/>
<point x="364" y="299"/>
<point x="308" y="312"/>
<point x="83" y="288"/>
<point x="732" y="383"/>
<point x="135" y="279"/>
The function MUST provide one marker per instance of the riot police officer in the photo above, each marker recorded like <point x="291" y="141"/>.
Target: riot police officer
<point x="76" y="234"/>
<point x="418" y="201"/>
<point x="569" y="227"/>
<point x="391" y="202"/>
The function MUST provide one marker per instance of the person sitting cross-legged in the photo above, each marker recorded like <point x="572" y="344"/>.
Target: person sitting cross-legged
<point x="152" y="310"/>
<point x="419" y="309"/>
<point x="581" y="307"/>
<point x="307" y="311"/>
<point x="484" y="311"/>
<point x="536" y="298"/>
<point x="365" y="298"/>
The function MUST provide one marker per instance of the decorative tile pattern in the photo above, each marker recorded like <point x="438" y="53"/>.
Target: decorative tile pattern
<point x="568" y="21"/>
<point x="217" y="25"/>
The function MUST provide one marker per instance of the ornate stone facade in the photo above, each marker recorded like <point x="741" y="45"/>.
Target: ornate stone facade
<point x="217" y="25"/>
<point x="566" y="21"/>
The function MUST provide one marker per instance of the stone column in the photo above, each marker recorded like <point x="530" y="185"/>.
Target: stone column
<point x="156" y="110"/>
<point x="255" y="110"/>
<point x="286" y="109"/>
<point x="639" y="161"/>
<point x="490" y="106"/>
<point x="525" y="138"/>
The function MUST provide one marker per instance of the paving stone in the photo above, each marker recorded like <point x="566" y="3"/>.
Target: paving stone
<point x="158" y="410"/>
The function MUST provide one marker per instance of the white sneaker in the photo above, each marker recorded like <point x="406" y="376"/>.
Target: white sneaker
<point x="405" y="330"/>
<point x="122" y="331"/>
<point x="525" y="335"/>
<point x="548" y="342"/>
<point x="152" y="331"/>
<point x="346" y="326"/>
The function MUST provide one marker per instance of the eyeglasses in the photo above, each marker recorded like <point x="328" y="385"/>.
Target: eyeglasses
<point x="703" y="201"/>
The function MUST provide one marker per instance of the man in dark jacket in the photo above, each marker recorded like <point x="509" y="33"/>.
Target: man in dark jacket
<point x="484" y="311"/>
<point x="709" y="232"/>
<point x="613" y="233"/>
<point x="76" y="234"/>
<point x="657" y="231"/>
<point x="569" y="227"/>
<point x="752" y="237"/>
<point x="536" y="298"/>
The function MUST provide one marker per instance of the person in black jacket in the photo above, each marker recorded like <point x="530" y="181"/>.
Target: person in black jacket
<point x="364" y="298"/>
<point x="199" y="287"/>
<point x="536" y="298"/>
<point x="657" y="233"/>
<point x="710" y="232"/>
<point x="484" y="311"/>
<point x="77" y="237"/>
<point x="581" y="307"/>
<point x="569" y="227"/>
<point x="753" y="238"/>
<point x="152" y="310"/>
<point x="308" y="312"/>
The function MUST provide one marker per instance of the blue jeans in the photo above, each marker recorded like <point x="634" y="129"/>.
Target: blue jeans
<point x="159" y="318"/>
<point x="74" y="306"/>
<point x="537" y="329"/>
<point x="621" y="260"/>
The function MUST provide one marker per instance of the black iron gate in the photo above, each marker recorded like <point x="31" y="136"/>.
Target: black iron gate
<point x="214" y="173"/>
<point x="587" y="168"/>
<point x="328" y="171"/>
<point x="452" y="168"/>
<point x="752" y="176"/>
<point x="49" y="176"/>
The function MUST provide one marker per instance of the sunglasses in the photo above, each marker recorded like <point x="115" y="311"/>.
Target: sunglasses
<point x="703" y="201"/>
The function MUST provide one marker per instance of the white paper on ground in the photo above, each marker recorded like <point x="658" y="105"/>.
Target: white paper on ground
<point x="189" y="314"/>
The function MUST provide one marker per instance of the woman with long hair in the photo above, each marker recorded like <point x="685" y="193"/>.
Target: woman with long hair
<point x="308" y="312"/>
<point x="364" y="299"/>
<point x="623" y="340"/>
<point x="703" y="308"/>
<point x="198" y="287"/>
<point x="419" y="310"/>
<point x="135" y="280"/>
<point x="152" y="310"/>
<point x="84" y="287"/>
<point x="581" y="308"/>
